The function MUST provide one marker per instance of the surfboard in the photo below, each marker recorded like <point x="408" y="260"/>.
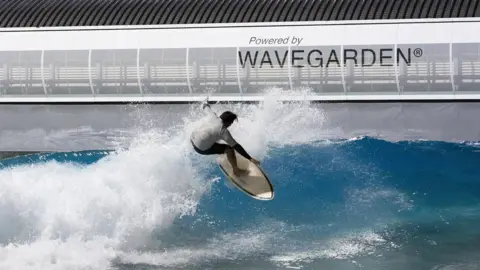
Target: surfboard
<point x="254" y="183"/>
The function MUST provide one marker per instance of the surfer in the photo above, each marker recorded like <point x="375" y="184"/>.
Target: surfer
<point x="204" y="139"/>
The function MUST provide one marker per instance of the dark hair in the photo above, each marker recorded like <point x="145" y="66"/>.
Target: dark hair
<point x="228" y="117"/>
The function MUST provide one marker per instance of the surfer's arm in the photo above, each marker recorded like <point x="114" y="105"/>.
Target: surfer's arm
<point x="207" y="109"/>
<point x="244" y="153"/>
<point x="227" y="137"/>
<point x="241" y="151"/>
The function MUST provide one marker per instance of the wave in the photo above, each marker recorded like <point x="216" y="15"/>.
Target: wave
<point x="340" y="203"/>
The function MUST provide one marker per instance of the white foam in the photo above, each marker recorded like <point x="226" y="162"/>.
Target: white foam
<point x="115" y="204"/>
<point x="345" y="247"/>
<point x="366" y="197"/>
<point x="66" y="216"/>
<point x="229" y="246"/>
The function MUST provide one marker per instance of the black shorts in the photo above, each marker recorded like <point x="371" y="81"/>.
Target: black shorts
<point x="216" y="149"/>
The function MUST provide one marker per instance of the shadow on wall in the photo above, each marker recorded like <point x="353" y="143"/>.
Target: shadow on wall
<point x="9" y="154"/>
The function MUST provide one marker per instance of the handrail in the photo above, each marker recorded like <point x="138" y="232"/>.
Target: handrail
<point x="443" y="68"/>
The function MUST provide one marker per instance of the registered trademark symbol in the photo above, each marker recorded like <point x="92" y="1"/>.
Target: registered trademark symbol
<point x="418" y="52"/>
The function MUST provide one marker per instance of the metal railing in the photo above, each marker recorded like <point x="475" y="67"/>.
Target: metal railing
<point x="128" y="72"/>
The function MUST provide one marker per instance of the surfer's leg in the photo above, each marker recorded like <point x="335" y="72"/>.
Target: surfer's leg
<point x="233" y="160"/>
<point x="215" y="149"/>
<point x="220" y="149"/>
<point x="231" y="157"/>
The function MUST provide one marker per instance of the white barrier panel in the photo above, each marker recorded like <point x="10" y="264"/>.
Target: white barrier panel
<point x="382" y="60"/>
<point x="40" y="127"/>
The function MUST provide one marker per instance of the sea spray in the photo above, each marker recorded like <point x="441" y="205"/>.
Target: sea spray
<point x="86" y="216"/>
<point x="111" y="205"/>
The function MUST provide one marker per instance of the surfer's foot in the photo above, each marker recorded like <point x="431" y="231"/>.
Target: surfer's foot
<point x="239" y="172"/>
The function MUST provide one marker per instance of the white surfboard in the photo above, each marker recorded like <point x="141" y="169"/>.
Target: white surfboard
<point x="254" y="183"/>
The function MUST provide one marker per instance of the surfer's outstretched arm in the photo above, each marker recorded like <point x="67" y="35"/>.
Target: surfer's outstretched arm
<point x="206" y="107"/>
<point x="239" y="148"/>
<point x="227" y="137"/>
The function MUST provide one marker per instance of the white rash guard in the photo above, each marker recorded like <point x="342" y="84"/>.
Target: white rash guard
<point x="211" y="132"/>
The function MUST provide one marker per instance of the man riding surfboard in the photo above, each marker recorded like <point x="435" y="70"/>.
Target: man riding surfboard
<point x="204" y="139"/>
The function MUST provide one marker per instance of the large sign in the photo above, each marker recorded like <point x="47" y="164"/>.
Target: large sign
<point x="171" y="61"/>
<point x="316" y="58"/>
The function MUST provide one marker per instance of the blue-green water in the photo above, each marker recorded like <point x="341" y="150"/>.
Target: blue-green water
<point x="352" y="204"/>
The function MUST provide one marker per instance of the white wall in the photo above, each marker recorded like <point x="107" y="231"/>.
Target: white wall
<point x="225" y="35"/>
<point x="447" y="36"/>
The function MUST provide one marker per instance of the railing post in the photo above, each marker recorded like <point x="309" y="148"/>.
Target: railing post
<point x="342" y="70"/>
<point x="187" y="69"/>
<point x="238" y="71"/>
<point x="90" y="71"/>
<point x="6" y="78"/>
<point x="395" y="59"/>
<point x="43" y="73"/>
<point x="138" y="72"/>
<point x="396" y="62"/>
<point x="289" y="53"/>
<point x="451" y="65"/>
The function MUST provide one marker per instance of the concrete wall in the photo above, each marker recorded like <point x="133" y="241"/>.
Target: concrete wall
<point x="82" y="127"/>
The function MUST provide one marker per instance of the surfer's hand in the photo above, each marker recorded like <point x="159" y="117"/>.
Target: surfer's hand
<point x="205" y="103"/>
<point x="255" y="161"/>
